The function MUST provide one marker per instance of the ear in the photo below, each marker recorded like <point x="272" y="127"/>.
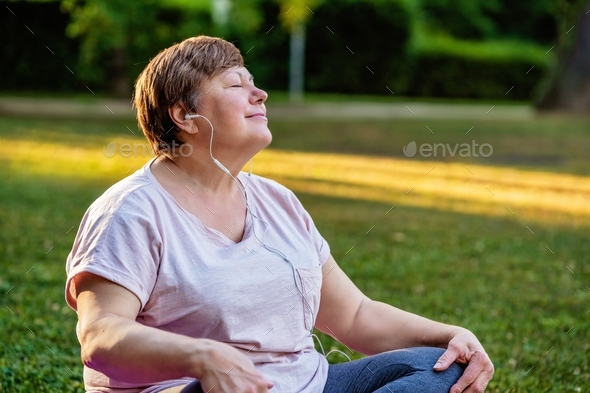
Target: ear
<point x="177" y="114"/>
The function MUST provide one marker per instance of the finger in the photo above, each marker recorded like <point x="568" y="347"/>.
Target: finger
<point x="481" y="382"/>
<point x="479" y="385"/>
<point x="476" y="367"/>
<point x="446" y="359"/>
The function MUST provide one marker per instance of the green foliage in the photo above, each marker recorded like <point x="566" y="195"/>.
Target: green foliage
<point x="448" y="67"/>
<point x="461" y="18"/>
<point x="36" y="62"/>
<point x="294" y="12"/>
<point x="387" y="48"/>
<point x="504" y="50"/>
<point x="491" y="19"/>
<point x="329" y="66"/>
<point x="135" y="29"/>
<point x="406" y="45"/>
<point x="245" y="17"/>
<point x="480" y="49"/>
<point x="357" y="46"/>
<point x="265" y="49"/>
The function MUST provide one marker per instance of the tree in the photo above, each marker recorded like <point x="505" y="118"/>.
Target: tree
<point x="294" y="15"/>
<point x="126" y="33"/>
<point x="568" y="88"/>
<point x="236" y="18"/>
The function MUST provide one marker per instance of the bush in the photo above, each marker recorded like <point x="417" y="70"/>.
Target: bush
<point x="486" y="20"/>
<point x="28" y="62"/>
<point x="446" y="67"/>
<point x="376" y="34"/>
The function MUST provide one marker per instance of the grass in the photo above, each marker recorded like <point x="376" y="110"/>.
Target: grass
<point x="510" y="263"/>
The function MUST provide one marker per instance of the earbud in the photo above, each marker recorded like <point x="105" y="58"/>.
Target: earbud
<point x="215" y="160"/>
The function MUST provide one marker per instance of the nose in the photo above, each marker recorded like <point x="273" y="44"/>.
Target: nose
<point x="259" y="95"/>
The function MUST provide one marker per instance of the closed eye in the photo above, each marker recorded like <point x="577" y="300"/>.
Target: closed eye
<point x="237" y="86"/>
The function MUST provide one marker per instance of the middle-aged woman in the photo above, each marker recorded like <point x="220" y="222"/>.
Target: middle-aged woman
<point x="192" y="276"/>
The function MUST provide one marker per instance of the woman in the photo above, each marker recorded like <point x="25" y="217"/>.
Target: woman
<point x="191" y="276"/>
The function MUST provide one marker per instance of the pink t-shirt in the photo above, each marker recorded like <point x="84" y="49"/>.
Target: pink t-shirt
<point x="195" y="281"/>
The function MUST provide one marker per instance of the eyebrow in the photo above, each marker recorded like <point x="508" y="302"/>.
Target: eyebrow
<point x="251" y="77"/>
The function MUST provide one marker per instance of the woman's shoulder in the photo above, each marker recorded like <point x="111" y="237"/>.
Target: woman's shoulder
<point x="133" y="193"/>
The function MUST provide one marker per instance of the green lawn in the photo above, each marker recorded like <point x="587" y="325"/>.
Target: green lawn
<point x="449" y="250"/>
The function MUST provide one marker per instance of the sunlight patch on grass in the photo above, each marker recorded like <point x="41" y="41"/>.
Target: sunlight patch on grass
<point x="475" y="189"/>
<point x="67" y="161"/>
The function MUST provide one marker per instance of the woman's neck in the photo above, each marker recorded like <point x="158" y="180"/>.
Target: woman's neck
<point x="202" y="174"/>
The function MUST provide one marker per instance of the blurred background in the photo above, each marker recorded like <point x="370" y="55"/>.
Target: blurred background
<point x="415" y="48"/>
<point x="442" y="148"/>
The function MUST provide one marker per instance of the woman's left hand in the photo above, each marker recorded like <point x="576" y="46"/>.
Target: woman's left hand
<point x="465" y="348"/>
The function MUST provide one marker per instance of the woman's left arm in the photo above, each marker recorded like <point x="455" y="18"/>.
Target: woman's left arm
<point x="372" y="327"/>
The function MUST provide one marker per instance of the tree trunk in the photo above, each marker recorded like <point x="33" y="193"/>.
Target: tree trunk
<point x="296" y="63"/>
<point x="120" y="86"/>
<point x="569" y="89"/>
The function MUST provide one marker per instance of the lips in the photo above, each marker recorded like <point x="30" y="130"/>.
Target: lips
<point x="260" y="114"/>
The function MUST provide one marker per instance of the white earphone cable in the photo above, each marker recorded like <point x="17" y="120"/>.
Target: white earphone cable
<point x="249" y="212"/>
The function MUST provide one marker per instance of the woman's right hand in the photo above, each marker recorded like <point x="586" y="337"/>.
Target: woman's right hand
<point x="226" y="369"/>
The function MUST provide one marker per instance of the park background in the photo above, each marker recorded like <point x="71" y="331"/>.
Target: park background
<point x="497" y="244"/>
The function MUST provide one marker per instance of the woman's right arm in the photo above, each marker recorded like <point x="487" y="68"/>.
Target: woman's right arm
<point x="114" y="344"/>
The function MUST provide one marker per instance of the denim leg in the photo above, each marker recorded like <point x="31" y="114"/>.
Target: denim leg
<point x="402" y="371"/>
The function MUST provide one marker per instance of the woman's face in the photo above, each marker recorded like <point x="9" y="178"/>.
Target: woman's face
<point x="237" y="112"/>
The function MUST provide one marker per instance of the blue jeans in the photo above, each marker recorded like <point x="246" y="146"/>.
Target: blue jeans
<point x="402" y="371"/>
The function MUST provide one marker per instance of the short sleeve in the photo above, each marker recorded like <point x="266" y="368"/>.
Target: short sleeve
<point x="117" y="240"/>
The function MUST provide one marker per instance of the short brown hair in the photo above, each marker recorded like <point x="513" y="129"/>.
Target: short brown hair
<point x="174" y="77"/>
